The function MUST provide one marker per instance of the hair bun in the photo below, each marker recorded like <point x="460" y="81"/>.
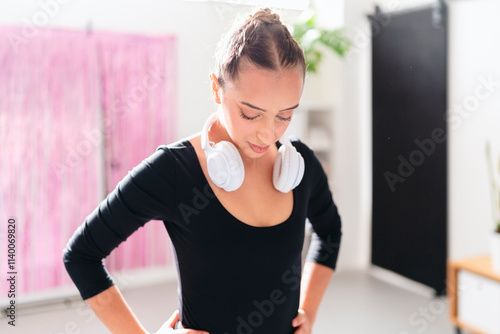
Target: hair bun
<point x="265" y="15"/>
<point x="262" y="39"/>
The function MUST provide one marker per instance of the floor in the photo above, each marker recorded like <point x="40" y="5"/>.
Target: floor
<point x="355" y="302"/>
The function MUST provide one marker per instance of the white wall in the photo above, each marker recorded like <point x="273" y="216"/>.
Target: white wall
<point x="474" y="115"/>
<point x="352" y="126"/>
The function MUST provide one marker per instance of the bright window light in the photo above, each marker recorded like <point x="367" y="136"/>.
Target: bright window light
<point x="288" y="4"/>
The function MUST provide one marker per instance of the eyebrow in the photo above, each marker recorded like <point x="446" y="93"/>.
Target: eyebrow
<point x="254" y="107"/>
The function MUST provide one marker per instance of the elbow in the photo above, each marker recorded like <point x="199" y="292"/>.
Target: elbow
<point x="67" y="256"/>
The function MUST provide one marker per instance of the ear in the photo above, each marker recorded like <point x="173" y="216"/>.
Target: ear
<point x="215" y="87"/>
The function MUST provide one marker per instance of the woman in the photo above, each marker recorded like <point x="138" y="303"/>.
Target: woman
<point x="235" y="212"/>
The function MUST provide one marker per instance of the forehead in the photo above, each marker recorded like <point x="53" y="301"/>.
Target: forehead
<point x="263" y="84"/>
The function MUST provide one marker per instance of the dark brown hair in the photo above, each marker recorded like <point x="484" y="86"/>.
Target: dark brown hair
<point x="263" y="40"/>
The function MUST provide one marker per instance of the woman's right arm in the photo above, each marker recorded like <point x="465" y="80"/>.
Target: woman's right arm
<point x="146" y="193"/>
<point x="114" y="312"/>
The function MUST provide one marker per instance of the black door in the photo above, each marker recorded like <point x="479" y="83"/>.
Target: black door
<point x="409" y="226"/>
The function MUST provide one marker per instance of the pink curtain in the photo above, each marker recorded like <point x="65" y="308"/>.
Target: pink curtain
<point x="138" y="97"/>
<point x="77" y="111"/>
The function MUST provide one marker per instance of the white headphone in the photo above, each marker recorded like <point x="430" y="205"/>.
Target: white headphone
<point x="226" y="169"/>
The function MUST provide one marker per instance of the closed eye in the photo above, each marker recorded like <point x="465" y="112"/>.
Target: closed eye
<point x="246" y="117"/>
<point x="284" y="119"/>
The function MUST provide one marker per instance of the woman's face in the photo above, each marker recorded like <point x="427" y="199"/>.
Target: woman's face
<point x="257" y="109"/>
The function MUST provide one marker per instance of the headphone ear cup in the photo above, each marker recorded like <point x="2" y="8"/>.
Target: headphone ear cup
<point x="288" y="168"/>
<point x="277" y="171"/>
<point x="225" y="166"/>
<point x="300" y="172"/>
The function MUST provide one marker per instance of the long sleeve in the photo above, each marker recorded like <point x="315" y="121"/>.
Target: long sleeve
<point x="324" y="217"/>
<point x="146" y="193"/>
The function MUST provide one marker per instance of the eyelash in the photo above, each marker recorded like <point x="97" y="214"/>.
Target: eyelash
<point x="246" y="117"/>
<point x="287" y="119"/>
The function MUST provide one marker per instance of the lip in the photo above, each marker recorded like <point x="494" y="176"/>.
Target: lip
<point x="258" y="149"/>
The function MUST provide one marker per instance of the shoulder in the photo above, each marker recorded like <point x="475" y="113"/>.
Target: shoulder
<point x="162" y="161"/>
<point x="177" y="145"/>
<point x="180" y="155"/>
<point x="313" y="166"/>
<point x="302" y="148"/>
<point x="177" y="150"/>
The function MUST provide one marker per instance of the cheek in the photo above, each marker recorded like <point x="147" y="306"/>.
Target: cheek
<point x="236" y="126"/>
<point x="280" y="129"/>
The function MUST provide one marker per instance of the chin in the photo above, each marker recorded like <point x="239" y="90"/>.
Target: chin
<point x="246" y="151"/>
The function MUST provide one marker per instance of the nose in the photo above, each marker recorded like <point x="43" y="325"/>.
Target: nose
<point x="266" y="136"/>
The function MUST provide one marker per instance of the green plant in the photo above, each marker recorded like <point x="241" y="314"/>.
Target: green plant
<point x="494" y="186"/>
<point x="309" y="37"/>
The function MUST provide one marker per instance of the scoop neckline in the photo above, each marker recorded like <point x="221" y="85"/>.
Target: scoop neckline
<point x="242" y="223"/>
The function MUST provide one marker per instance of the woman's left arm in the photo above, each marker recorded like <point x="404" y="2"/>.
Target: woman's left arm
<point x="315" y="280"/>
<point x="323" y="251"/>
